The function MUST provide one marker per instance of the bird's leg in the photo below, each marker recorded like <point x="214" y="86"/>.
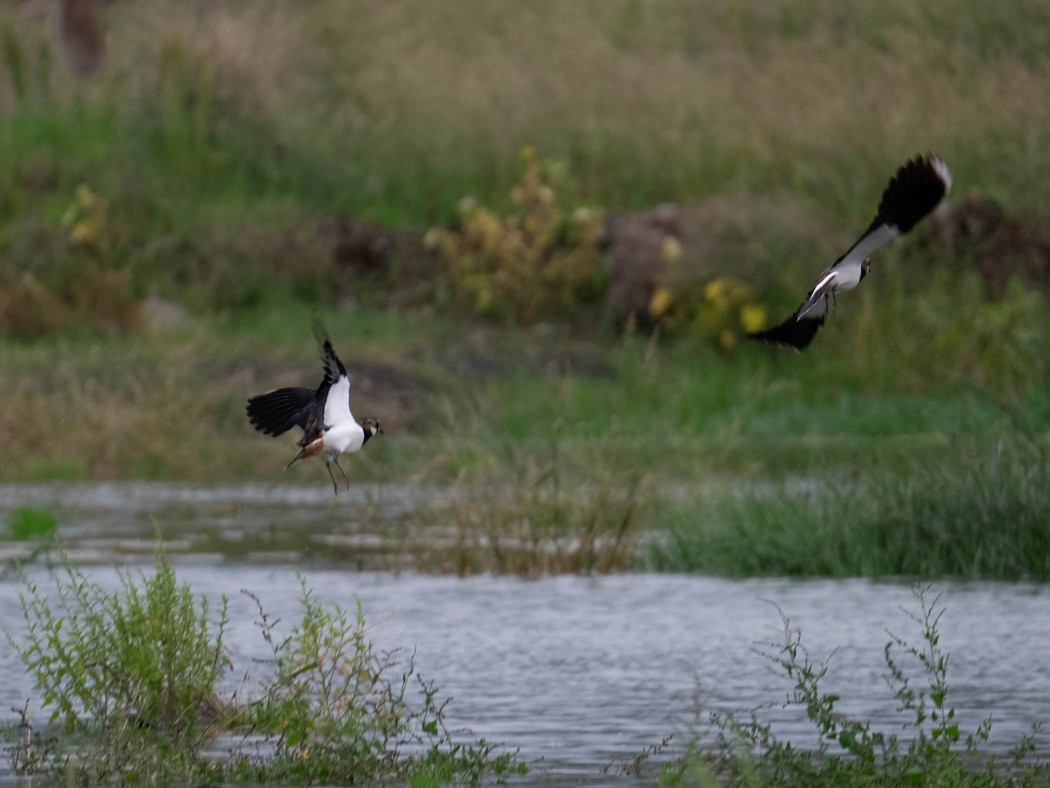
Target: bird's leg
<point x="834" y="303"/>
<point x="340" y="467"/>
<point x="335" y="487"/>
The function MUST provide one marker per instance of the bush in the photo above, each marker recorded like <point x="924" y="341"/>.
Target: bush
<point x="537" y="262"/>
<point x="332" y="715"/>
<point x="132" y="671"/>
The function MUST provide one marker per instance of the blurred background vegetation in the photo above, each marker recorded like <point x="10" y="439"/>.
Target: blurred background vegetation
<point x="537" y="230"/>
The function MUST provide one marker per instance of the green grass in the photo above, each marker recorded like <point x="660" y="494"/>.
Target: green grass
<point x="395" y="113"/>
<point x="28" y="522"/>
<point x="919" y="475"/>
<point x="980" y="512"/>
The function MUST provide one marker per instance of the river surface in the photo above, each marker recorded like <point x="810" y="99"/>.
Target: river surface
<point x="577" y="673"/>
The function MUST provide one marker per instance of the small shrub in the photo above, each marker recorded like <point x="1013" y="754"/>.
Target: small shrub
<point x="537" y="262"/>
<point x="86" y="221"/>
<point x="332" y="714"/>
<point x="849" y="751"/>
<point x="73" y="272"/>
<point x="133" y="671"/>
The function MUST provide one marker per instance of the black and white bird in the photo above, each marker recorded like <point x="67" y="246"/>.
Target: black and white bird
<point x="912" y="193"/>
<point x="329" y="429"/>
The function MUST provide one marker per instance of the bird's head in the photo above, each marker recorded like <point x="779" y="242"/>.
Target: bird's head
<point x="371" y="427"/>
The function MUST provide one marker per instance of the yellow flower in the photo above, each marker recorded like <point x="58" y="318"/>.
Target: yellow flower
<point x="752" y="317"/>
<point x="714" y="289"/>
<point x="85" y="198"/>
<point x="660" y="303"/>
<point x="671" y="251"/>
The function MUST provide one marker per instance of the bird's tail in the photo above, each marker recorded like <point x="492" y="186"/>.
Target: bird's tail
<point x="311" y="449"/>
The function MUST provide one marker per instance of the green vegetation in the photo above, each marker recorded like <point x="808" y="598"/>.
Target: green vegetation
<point x="168" y="228"/>
<point x="29" y="522"/>
<point x="979" y="512"/>
<point x="538" y="262"/>
<point x="938" y="751"/>
<point x="212" y="169"/>
<point x="133" y="676"/>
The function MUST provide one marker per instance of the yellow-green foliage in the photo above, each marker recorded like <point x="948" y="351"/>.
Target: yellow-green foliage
<point x="538" y="261"/>
<point x="86" y="221"/>
<point x="70" y="272"/>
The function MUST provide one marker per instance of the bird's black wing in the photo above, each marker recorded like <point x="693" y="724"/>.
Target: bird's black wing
<point x="276" y="412"/>
<point x="333" y="367"/>
<point x="910" y="196"/>
<point x="799" y="329"/>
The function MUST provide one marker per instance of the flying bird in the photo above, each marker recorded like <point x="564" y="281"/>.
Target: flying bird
<point x="912" y="193"/>
<point x="329" y="429"/>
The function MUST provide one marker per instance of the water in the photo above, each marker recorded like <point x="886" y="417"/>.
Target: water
<point x="577" y="672"/>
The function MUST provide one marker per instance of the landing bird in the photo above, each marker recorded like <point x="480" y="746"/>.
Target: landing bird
<point x="324" y="415"/>
<point x="912" y="193"/>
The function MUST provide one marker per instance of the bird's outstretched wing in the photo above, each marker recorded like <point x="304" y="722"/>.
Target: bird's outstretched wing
<point x="910" y="196"/>
<point x="276" y="412"/>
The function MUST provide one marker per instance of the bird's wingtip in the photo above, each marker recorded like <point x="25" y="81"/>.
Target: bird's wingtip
<point x="320" y="330"/>
<point x="941" y="168"/>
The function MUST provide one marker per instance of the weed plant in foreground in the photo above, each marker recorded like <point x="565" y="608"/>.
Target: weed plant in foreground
<point x="938" y="751"/>
<point x="132" y="677"/>
<point x="980" y="514"/>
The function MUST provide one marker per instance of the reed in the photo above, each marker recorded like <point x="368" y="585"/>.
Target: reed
<point x="978" y="513"/>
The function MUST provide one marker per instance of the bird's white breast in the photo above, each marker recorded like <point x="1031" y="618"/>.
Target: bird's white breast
<point x="344" y="437"/>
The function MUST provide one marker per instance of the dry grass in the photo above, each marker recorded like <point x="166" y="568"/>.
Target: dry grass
<point x="164" y="406"/>
<point x="529" y="521"/>
<point x="647" y="99"/>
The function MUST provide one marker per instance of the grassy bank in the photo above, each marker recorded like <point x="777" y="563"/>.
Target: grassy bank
<point x="216" y="160"/>
<point x="750" y="463"/>
<point x="978" y="512"/>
